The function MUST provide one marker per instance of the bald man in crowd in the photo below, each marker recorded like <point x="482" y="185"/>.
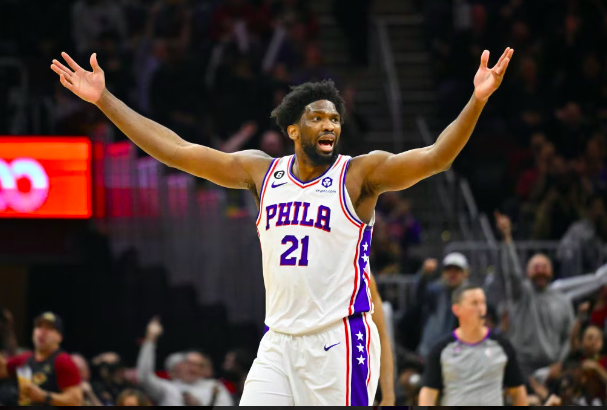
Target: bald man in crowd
<point x="540" y="316"/>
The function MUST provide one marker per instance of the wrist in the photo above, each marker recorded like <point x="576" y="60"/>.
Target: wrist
<point x="48" y="398"/>
<point x="102" y="98"/>
<point x="479" y="102"/>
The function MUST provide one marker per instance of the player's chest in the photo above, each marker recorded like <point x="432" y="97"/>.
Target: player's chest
<point x="316" y="207"/>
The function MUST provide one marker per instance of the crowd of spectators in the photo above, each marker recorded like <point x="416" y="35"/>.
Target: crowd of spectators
<point x="560" y="354"/>
<point x="206" y="69"/>
<point x="539" y="156"/>
<point x="188" y="378"/>
<point x="545" y="163"/>
<point x="212" y="71"/>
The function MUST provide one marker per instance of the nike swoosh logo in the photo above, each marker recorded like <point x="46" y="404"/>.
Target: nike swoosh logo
<point x="276" y="186"/>
<point x="327" y="348"/>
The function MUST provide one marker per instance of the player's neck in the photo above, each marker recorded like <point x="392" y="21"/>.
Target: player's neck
<point x="43" y="354"/>
<point x="305" y="170"/>
<point x="471" y="334"/>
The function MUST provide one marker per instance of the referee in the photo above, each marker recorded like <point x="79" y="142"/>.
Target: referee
<point x="473" y="365"/>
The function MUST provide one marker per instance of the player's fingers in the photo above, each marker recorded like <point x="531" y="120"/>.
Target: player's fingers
<point x="61" y="70"/>
<point x="66" y="83"/>
<point x="62" y="67"/>
<point x="56" y="69"/>
<point x="504" y="55"/>
<point x="71" y="62"/>
<point x="95" y="64"/>
<point x="485" y="59"/>
<point x="501" y="69"/>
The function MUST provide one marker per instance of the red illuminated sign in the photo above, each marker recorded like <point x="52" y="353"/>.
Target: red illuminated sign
<point x="44" y="177"/>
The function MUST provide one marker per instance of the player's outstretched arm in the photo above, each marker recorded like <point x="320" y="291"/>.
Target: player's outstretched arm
<point x="389" y="172"/>
<point x="237" y="170"/>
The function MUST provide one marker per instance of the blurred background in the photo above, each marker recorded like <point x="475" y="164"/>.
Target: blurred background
<point x="152" y="241"/>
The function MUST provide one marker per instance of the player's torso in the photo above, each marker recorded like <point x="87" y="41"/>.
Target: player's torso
<point x="315" y="249"/>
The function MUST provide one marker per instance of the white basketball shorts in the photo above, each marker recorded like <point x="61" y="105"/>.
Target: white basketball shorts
<point x="338" y="366"/>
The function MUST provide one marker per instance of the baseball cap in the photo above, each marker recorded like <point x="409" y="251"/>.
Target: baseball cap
<point x="456" y="259"/>
<point x="50" y="318"/>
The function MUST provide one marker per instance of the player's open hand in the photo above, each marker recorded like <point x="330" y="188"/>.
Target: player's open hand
<point x="487" y="80"/>
<point x="85" y="84"/>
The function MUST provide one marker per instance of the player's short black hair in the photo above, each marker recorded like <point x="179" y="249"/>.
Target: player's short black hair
<point x="458" y="294"/>
<point x="294" y="104"/>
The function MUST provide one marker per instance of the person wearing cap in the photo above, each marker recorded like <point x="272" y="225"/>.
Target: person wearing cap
<point x="473" y="365"/>
<point x="47" y="376"/>
<point x="435" y="300"/>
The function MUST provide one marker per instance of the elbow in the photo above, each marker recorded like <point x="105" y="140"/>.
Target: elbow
<point x="76" y="399"/>
<point x="439" y="162"/>
<point x="445" y="167"/>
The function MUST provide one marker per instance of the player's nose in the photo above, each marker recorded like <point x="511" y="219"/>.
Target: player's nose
<point x="328" y="126"/>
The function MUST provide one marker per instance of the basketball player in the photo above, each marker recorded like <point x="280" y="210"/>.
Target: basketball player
<point x="316" y="214"/>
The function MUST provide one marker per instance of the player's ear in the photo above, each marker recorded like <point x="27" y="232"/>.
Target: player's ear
<point x="293" y="131"/>
<point x="455" y="308"/>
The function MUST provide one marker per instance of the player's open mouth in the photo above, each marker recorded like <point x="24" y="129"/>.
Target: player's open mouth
<point x="326" y="143"/>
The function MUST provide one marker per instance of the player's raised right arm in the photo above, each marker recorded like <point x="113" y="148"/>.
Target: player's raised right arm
<point x="237" y="170"/>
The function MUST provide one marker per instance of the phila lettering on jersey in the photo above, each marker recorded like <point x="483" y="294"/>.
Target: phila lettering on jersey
<point x="315" y="249"/>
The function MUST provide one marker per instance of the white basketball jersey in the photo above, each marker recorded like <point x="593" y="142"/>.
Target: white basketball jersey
<point x="315" y="249"/>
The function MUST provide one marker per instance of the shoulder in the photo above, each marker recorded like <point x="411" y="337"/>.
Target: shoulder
<point x="67" y="373"/>
<point x="16" y="362"/>
<point x="504" y="342"/>
<point x="256" y="163"/>
<point x="441" y="345"/>
<point x="436" y="286"/>
<point x="501" y="339"/>
<point x="19" y="360"/>
<point x="370" y="161"/>
<point x="64" y="361"/>
<point x="254" y="157"/>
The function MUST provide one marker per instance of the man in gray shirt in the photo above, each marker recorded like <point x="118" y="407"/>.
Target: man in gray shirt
<point x="472" y="366"/>
<point x="541" y="317"/>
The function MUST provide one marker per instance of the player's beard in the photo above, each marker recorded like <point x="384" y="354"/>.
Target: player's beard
<point x="316" y="157"/>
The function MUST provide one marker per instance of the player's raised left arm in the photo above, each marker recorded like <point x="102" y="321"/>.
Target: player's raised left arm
<point x="390" y="172"/>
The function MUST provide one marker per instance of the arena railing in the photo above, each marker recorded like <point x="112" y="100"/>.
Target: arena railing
<point x="457" y="199"/>
<point x="398" y="290"/>
<point x="486" y="258"/>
